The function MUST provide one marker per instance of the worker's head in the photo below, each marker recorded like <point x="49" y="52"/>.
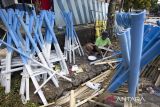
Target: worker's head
<point x="105" y="35"/>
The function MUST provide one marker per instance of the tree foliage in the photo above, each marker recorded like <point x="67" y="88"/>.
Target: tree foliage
<point x="127" y="6"/>
<point x="137" y="4"/>
<point x="154" y="7"/>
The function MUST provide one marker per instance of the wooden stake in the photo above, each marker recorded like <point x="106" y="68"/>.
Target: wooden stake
<point x="90" y="97"/>
<point x="82" y="89"/>
<point x="127" y="104"/>
<point x="107" y="62"/>
<point x="72" y="99"/>
<point x="104" y="74"/>
<point x="157" y="82"/>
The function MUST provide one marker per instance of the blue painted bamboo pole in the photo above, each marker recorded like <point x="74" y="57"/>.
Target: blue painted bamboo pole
<point x="14" y="22"/>
<point x="19" y="26"/>
<point x="49" y="26"/>
<point x="124" y="47"/>
<point x="135" y="62"/>
<point x="120" y="70"/>
<point x="27" y="38"/>
<point x="35" y="30"/>
<point x="31" y="26"/>
<point x="146" y="58"/>
<point x="37" y="50"/>
<point x="54" y="41"/>
<point x="51" y="18"/>
<point x="128" y="34"/>
<point x="151" y="38"/>
<point x="122" y="19"/>
<point x="43" y="59"/>
<point x="151" y="54"/>
<point x="2" y="16"/>
<point x="35" y="61"/>
<point x="137" y="31"/>
<point x="28" y="34"/>
<point x="41" y="20"/>
<point x="118" y="82"/>
<point x="9" y="39"/>
<point x="147" y="28"/>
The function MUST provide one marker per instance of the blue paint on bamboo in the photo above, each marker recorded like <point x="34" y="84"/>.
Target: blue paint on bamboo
<point x="124" y="47"/>
<point x="3" y="18"/>
<point x="137" y="31"/>
<point x="136" y="22"/>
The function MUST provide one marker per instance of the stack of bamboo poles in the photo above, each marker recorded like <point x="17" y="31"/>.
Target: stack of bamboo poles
<point x="83" y="94"/>
<point x="35" y="57"/>
<point x="151" y="71"/>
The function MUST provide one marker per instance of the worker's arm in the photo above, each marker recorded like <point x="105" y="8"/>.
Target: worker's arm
<point x="110" y="46"/>
<point x="108" y="43"/>
<point x="98" y="49"/>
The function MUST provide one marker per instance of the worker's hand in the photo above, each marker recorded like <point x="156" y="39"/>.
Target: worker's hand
<point x="93" y="44"/>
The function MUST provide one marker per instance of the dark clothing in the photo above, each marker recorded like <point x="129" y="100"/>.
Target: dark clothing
<point x="24" y="1"/>
<point x="44" y="4"/>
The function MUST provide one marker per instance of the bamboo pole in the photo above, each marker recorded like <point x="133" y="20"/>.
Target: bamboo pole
<point x="81" y="90"/>
<point x="89" y="98"/>
<point x="72" y="99"/>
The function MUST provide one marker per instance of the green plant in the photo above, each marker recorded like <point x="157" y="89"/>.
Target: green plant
<point x="136" y="4"/>
<point x="13" y="98"/>
<point x="154" y="7"/>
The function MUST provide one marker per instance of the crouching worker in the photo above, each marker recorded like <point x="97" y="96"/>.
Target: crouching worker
<point x="101" y="41"/>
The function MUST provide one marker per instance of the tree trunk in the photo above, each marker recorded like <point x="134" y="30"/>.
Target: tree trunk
<point x="111" y="17"/>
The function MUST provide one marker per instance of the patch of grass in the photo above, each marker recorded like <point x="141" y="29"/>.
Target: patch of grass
<point x="13" y="99"/>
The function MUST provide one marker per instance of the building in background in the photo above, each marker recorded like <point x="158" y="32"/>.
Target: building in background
<point x="83" y="11"/>
<point x="6" y="3"/>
